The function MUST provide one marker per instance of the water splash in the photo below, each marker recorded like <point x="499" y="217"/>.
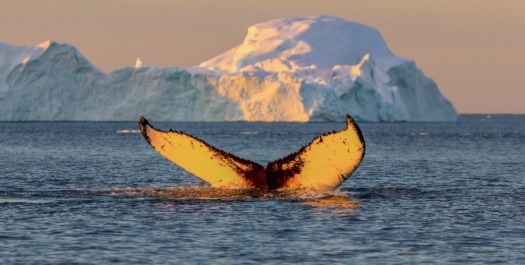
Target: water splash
<point x="307" y="197"/>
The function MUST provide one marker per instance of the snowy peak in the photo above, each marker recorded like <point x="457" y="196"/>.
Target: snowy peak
<point x="45" y="45"/>
<point x="65" y="55"/>
<point x="50" y="59"/>
<point x="139" y="63"/>
<point x="11" y="56"/>
<point x="320" y="42"/>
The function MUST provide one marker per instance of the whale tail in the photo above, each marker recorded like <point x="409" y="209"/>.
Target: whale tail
<point x="324" y="163"/>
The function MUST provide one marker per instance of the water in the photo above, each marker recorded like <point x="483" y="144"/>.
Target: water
<point x="95" y="192"/>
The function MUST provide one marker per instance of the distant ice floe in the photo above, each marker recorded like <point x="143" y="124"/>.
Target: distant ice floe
<point x="128" y="131"/>
<point x="248" y="132"/>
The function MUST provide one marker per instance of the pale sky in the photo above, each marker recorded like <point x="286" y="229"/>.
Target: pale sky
<point x="473" y="49"/>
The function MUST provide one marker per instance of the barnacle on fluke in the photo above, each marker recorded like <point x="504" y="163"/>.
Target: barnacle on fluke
<point x="324" y="163"/>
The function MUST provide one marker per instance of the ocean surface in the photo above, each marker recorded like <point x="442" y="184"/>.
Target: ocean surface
<point x="426" y="193"/>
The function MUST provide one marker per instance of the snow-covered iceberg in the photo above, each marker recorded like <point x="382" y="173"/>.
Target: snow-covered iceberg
<point x="317" y="68"/>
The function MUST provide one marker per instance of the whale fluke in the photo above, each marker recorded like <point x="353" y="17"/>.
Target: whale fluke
<point x="324" y="163"/>
<point x="219" y="168"/>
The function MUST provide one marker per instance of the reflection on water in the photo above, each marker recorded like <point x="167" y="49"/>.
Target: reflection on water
<point x="16" y="200"/>
<point x="188" y="193"/>
<point x="305" y="197"/>
<point x="333" y="202"/>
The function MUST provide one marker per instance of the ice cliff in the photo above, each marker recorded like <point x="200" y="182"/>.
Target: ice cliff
<point x="316" y="68"/>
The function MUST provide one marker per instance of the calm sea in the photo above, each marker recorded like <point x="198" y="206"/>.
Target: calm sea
<point x="426" y="193"/>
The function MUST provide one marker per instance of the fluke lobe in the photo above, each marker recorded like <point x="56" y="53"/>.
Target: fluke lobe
<point x="323" y="164"/>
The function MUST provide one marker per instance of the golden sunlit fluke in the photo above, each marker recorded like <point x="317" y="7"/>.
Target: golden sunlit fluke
<point x="323" y="164"/>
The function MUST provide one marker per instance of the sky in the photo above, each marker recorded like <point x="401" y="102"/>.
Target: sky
<point x="473" y="49"/>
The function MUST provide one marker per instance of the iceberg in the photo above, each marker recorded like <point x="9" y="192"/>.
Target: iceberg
<point x="11" y="56"/>
<point x="301" y="69"/>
